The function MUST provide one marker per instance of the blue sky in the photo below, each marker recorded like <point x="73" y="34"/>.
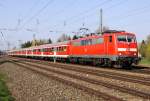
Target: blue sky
<point x="20" y="19"/>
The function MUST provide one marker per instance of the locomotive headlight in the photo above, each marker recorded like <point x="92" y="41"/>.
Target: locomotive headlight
<point x="120" y="54"/>
<point x="134" y="53"/>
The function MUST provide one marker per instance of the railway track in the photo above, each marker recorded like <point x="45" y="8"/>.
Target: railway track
<point x="92" y="81"/>
<point x="141" y="69"/>
<point x="102" y="73"/>
<point x="135" y="68"/>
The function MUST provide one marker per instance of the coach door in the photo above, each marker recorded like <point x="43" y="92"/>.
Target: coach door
<point x="109" y="45"/>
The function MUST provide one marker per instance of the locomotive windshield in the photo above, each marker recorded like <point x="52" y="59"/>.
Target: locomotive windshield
<point x="131" y="38"/>
<point x="126" y="38"/>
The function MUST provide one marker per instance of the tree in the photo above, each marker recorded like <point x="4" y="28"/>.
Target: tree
<point x="64" y="37"/>
<point x="148" y="48"/>
<point x="74" y="37"/>
<point x="142" y="48"/>
<point x="145" y="48"/>
<point x="26" y="44"/>
<point x="36" y="43"/>
<point x="148" y="51"/>
<point x="49" y="41"/>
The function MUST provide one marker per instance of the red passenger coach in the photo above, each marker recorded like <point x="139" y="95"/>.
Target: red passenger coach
<point x="110" y="48"/>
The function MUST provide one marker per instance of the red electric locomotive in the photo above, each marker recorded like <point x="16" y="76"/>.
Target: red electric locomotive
<point x="111" y="48"/>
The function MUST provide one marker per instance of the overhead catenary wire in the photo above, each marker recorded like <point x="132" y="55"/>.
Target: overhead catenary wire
<point x="71" y="20"/>
<point x="57" y="13"/>
<point x="23" y="18"/>
<point x="131" y="13"/>
<point x="88" y="10"/>
<point x="31" y="9"/>
<point x="79" y="18"/>
<point x="37" y="13"/>
<point x="120" y="2"/>
<point x="7" y="42"/>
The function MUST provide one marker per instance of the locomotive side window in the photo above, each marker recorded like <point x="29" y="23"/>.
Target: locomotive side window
<point x="100" y="40"/>
<point x="89" y="42"/>
<point x="110" y="38"/>
<point x="122" y="38"/>
<point x="97" y="41"/>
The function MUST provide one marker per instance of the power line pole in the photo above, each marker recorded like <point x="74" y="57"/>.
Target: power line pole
<point x="20" y="43"/>
<point x="34" y="40"/>
<point x="101" y="21"/>
<point x="8" y="45"/>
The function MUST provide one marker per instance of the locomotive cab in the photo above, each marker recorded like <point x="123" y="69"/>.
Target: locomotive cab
<point x="127" y="51"/>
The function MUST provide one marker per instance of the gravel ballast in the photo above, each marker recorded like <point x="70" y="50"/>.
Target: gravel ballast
<point x="27" y="85"/>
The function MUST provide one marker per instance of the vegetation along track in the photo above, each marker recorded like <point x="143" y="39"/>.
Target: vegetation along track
<point x="93" y="81"/>
<point x="68" y="82"/>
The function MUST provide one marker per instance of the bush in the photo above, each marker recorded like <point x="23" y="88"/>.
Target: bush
<point x="5" y="94"/>
<point x="148" y="52"/>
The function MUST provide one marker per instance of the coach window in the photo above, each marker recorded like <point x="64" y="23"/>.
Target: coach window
<point x="59" y="48"/>
<point x="65" y="48"/>
<point x="34" y="50"/>
<point x="48" y="49"/>
<point x="76" y="43"/>
<point x="110" y="38"/>
<point x="41" y="50"/>
<point x="44" y="50"/>
<point x="52" y="49"/>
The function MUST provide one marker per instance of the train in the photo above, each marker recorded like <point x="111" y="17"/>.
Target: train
<point x="111" y="48"/>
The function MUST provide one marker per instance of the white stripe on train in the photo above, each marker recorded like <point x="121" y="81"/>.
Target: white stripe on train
<point x="125" y="49"/>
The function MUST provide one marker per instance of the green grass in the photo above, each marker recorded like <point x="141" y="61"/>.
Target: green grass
<point x="145" y="62"/>
<point x="5" y="94"/>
